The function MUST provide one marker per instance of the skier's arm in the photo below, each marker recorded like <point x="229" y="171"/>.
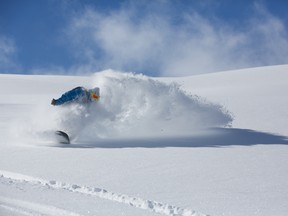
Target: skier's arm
<point x="69" y="96"/>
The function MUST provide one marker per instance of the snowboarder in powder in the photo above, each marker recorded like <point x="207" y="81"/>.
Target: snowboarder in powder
<point x="78" y="95"/>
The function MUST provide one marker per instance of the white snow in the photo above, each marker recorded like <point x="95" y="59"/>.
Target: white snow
<point x="212" y="144"/>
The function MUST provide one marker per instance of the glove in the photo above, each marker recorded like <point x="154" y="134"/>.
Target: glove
<point x="53" y="102"/>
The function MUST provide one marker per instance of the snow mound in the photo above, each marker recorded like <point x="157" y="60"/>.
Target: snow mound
<point x="132" y="105"/>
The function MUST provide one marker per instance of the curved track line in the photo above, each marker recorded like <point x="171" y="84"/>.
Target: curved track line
<point x="153" y="206"/>
<point x="26" y="208"/>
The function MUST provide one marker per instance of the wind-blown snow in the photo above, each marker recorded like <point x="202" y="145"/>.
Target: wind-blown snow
<point x="130" y="102"/>
<point x="149" y="108"/>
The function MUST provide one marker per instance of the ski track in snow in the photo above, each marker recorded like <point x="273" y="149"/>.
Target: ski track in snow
<point x="25" y="208"/>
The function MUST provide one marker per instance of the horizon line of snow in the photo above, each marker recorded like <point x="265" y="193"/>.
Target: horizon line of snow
<point x="140" y="203"/>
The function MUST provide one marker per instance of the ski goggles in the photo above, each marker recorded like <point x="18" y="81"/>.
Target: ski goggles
<point x="94" y="96"/>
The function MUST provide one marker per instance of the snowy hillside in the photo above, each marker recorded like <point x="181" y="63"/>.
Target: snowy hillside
<point x="213" y="143"/>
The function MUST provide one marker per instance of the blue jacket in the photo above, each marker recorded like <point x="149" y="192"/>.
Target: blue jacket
<point x="79" y="95"/>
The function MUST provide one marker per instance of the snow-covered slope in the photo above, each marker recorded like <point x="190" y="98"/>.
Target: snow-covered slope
<point x="256" y="96"/>
<point x="149" y="146"/>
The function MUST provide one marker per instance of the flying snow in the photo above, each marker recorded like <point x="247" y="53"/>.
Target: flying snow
<point x="136" y="105"/>
<point x="131" y="105"/>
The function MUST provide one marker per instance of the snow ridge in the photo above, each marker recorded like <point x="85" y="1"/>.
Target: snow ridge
<point x="151" y="205"/>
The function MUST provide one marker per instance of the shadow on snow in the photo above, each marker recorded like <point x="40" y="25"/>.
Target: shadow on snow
<point x="216" y="137"/>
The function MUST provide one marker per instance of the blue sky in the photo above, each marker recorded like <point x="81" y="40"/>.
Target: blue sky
<point x="154" y="37"/>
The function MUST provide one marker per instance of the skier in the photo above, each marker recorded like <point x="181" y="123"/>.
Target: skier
<point x="78" y="95"/>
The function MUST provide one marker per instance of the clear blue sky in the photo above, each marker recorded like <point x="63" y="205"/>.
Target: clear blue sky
<point x="154" y="37"/>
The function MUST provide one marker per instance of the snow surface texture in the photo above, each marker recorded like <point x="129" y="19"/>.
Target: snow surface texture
<point x="98" y="192"/>
<point x="232" y="171"/>
<point x="129" y="102"/>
